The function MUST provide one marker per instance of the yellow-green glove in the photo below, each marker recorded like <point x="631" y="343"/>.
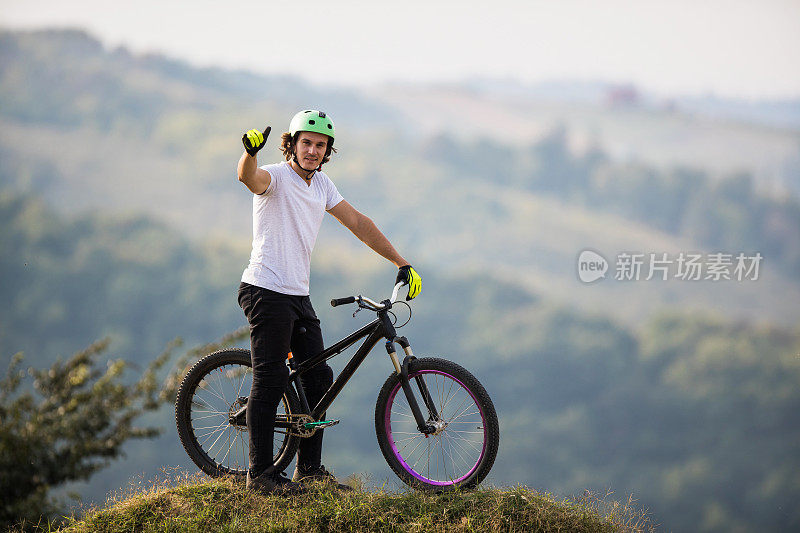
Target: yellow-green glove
<point x="407" y="275"/>
<point x="254" y="140"/>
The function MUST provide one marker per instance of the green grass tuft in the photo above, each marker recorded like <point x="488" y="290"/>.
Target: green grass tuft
<point x="203" y="504"/>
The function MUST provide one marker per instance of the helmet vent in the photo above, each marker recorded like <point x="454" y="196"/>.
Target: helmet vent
<point x="330" y="127"/>
<point x="312" y="121"/>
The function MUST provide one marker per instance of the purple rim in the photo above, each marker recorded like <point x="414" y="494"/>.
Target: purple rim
<point x="409" y="469"/>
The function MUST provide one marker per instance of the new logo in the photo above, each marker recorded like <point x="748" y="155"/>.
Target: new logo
<point x="591" y="266"/>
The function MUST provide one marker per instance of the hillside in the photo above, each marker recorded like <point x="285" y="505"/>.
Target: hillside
<point x="717" y="137"/>
<point x="153" y="135"/>
<point x="221" y="505"/>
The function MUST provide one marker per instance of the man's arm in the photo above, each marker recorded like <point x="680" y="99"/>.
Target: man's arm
<point x="366" y="230"/>
<point x="256" y="179"/>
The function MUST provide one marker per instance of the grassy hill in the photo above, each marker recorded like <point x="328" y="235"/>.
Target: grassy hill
<point x="224" y="505"/>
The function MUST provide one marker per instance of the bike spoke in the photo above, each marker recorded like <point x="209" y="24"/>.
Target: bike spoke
<point x="225" y="457"/>
<point x="463" y="411"/>
<point x="241" y="384"/>
<point x="216" y="440"/>
<point x="215" y="415"/>
<point x="205" y="385"/>
<point x="219" y="427"/>
<point x="215" y="376"/>
<point x="447" y="399"/>
<point x="462" y="441"/>
<point x="415" y="448"/>
<point x="208" y="427"/>
<point x="244" y="453"/>
<point x="444" y="462"/>
<point x="454" y="446"/>
<point x="213" y="412"/>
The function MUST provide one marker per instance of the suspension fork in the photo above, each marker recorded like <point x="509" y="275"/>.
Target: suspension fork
<point x="402" y="371"/>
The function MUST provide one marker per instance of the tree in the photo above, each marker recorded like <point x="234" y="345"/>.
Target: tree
<point x="73" y="423"/>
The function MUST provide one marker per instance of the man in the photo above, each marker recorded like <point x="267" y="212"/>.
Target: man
<point x="289" y="201"/>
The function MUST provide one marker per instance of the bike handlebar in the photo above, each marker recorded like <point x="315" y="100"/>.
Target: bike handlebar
<point x="370" y="304"/>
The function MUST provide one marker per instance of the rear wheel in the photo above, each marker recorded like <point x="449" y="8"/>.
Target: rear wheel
<point x="213" y="391"/>
<point x="461" y="450"/>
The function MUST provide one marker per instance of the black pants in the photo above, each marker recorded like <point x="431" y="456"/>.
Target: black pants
<point x="275" y="319"/>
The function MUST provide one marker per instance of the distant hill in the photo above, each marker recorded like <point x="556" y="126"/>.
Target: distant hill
<point x="784" y="114"/>
<point x="710" y="134"/>
<point x="67" y="77"/>
<point x="149" y="134"/>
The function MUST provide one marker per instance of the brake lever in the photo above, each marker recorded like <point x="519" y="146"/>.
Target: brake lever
<point x="360" y="304"/>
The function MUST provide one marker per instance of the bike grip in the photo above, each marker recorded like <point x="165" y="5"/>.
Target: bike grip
<point x="342" y="301"/>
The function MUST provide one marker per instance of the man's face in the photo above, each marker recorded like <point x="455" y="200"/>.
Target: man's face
<point x="310" y="149"/>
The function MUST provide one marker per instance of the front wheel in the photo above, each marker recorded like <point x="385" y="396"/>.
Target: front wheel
<point x="461" y="450"/>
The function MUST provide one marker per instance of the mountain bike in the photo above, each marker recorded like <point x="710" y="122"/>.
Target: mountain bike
<point x="435" y="423"/>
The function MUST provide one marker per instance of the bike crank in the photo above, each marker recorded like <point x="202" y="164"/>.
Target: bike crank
<point x="305" y="426"/>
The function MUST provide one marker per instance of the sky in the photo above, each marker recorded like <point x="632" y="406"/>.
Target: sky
<point x="734" y="48"/>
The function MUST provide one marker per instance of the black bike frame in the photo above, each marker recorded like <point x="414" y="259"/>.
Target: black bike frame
<point x="379" y="328"/>
<point x="373" y="331"/>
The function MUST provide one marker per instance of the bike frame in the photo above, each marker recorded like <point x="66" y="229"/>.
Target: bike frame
<point x="379" y="328"/>
<point x="373" y="332"/>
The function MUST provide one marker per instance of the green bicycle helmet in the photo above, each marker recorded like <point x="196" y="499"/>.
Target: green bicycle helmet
<point x="312" y="120"/>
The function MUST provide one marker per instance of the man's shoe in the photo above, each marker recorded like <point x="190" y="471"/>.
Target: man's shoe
<point x="317" y="474"/>
<point x="272" y="482"/>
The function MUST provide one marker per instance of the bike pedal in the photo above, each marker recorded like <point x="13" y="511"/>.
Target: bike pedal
<point x="321" y="424"/>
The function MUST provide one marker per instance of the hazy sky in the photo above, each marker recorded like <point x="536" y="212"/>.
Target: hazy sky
<point x="735" y="48"/>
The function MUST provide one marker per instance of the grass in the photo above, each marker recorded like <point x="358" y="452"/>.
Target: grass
<point x="201" y="504"/>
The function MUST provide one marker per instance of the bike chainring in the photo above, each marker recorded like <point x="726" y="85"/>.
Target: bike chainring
<point x="299" y="428"/>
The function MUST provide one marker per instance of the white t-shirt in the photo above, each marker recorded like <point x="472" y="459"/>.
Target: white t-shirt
<point x="286" y="221"/>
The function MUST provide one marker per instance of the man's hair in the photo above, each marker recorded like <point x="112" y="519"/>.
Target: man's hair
<point x="288" y="144"/>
